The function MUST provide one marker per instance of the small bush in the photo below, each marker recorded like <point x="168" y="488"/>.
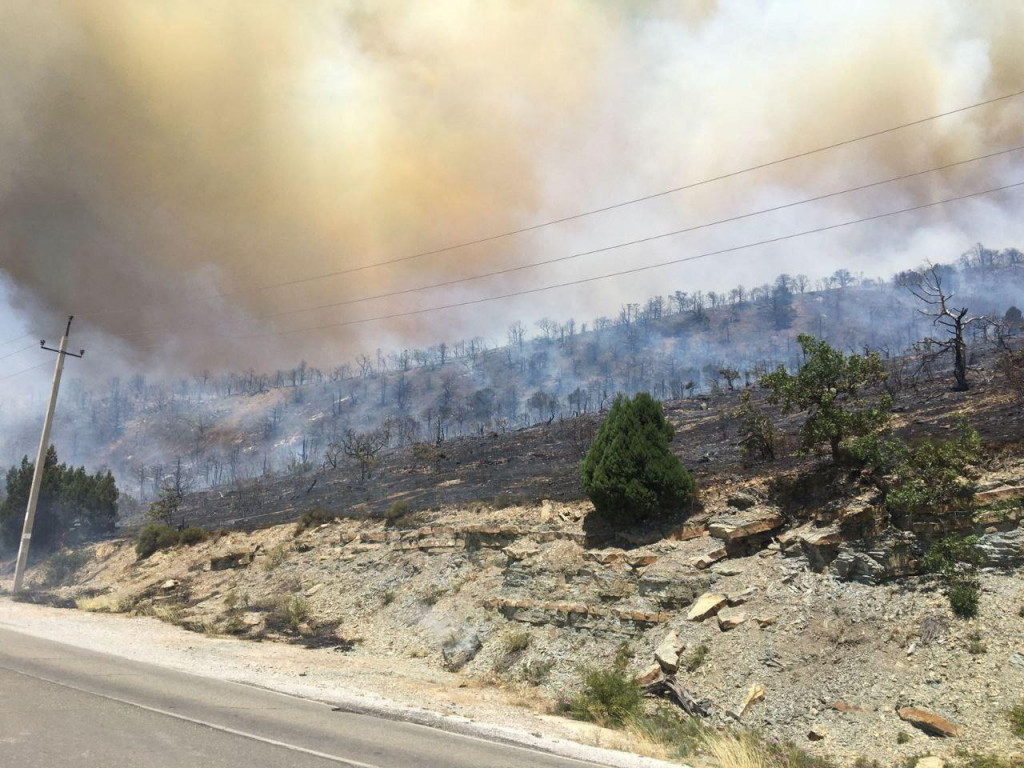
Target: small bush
<point x="387" y="598"/>
<point x="193" y="535"/>
<point x="401" y="515"/>
<point x="609" y="697"/>
<point x="955" y="562"/>
<point x="287" y="613"/>
<point x="975" y="646"/>
<point x="759" y="437"/>
<point x="697" y="658"/>
<point x="153" y="537"/>
<point x="1016" y="717"/>
<point x="630" y="473"/>
<point x="902" y="737"/>
<point x="517" y="642"/>
<point x="312" y="519"/>
<point x="61" y="567"/>
<point x="537" y="671"/>
<point x="963" y="599"/>
<point x="275" y="556"/>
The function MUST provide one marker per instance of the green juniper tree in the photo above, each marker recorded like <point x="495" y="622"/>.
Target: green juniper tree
<point x="630" y="473"/>
<point x="71" y="502"/>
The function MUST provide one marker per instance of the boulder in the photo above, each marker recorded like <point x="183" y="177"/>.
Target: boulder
<point x="930" y="762"/>
<point x="668" y="650"/>
<point x="742" y="500"/>
<point x="766" y="621"/>
<point x="649" y="675"/>
<point x="705" y="606"/>
<point x="730" y="618"/>
<point x="929" y="722"/>
<point x="170" y="585"/>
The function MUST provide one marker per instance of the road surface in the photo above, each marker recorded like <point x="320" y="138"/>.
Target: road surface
<point x="64" y="706"/>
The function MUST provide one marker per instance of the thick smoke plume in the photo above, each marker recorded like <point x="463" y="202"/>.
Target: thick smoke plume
<point x="155" y="154"/>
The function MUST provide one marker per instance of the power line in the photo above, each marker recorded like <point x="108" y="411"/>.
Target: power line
<point x="623" y="272"/>
<point x="18" y="373"/>
<point x="590" y="212"/>
<point x="16" y="338"/>
<point x="594" y="251"/>
<point x="18" y="351"/>
<point x="634" y="270"/>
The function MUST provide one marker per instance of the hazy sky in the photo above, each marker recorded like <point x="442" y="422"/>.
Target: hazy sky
<point x="154" y="155"/>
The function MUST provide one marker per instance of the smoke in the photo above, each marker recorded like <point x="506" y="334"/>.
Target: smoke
<point x="155" y="155"/>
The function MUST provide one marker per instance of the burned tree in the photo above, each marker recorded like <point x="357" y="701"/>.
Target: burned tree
<point x="364" y="447"/>
<point x="952" y="321"/>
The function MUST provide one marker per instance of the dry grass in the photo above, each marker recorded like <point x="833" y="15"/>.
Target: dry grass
<point x="112" y="603"/>
<point x="733" y="751"/>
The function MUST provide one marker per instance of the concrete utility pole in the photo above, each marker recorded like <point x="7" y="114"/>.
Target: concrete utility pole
<point x="44" y="444"/>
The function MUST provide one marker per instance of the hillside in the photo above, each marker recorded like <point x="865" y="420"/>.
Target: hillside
<point x="219" y="429"/>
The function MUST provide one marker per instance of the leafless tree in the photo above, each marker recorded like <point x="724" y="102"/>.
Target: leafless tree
<point x="950" y="320"/>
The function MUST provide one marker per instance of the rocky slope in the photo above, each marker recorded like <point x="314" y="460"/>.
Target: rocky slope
<point x="814" y="610"/>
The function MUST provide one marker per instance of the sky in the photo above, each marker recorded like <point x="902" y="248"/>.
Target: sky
<point x="162" y="164"/>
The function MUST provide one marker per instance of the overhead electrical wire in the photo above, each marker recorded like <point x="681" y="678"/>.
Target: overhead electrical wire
<point x="582" y="214"/>
<point x="622" y="272"/>
<point x="19" y="351"/>
<point x="24" y="370"/>
<point x="591" y="252"/>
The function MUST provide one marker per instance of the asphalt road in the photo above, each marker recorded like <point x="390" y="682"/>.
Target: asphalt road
<point x="63" y="706"/>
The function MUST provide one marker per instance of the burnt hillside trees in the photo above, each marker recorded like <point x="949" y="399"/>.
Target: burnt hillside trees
<point x="630" y="473"/>
<point x="72" y="504"/>
<point x="827" y="386"/>
<point x="950" y="320"/>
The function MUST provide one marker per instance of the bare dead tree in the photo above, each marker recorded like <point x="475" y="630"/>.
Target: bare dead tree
<point x="952" y="321"/>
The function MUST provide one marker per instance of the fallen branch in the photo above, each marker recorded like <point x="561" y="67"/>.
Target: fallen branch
<point x="669" y="688"/>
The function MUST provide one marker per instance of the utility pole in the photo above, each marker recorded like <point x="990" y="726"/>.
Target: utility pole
<point x="44" y="444"/>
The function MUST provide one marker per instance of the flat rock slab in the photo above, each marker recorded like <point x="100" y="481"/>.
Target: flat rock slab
<point x="929" y="722"/>
<point x="706" y="605"/>
<point x="737" y="528"/>
<point x="730" y="618"/>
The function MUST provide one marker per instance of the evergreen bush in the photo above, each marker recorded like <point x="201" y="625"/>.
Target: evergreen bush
<point x="630" y="473"/>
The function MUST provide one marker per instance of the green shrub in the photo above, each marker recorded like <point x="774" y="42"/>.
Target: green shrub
<point x="609" y="697"/>
<point x="954" y="561"/>
<point x="312" y="519"/>
<point x="193" y="535"/>
<point x="153" y="537"/>
<point x="1016" y="717"/>
<point x="963" y="599"/>
<point x="902" y="737"/>
<point x="630" y="473"/>
<point x="62" y="566"/>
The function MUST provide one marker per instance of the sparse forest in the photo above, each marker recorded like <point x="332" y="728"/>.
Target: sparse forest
<point x="224" y="429"/>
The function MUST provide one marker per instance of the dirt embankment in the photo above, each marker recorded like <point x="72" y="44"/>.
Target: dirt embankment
<point x="495" y="613"/>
